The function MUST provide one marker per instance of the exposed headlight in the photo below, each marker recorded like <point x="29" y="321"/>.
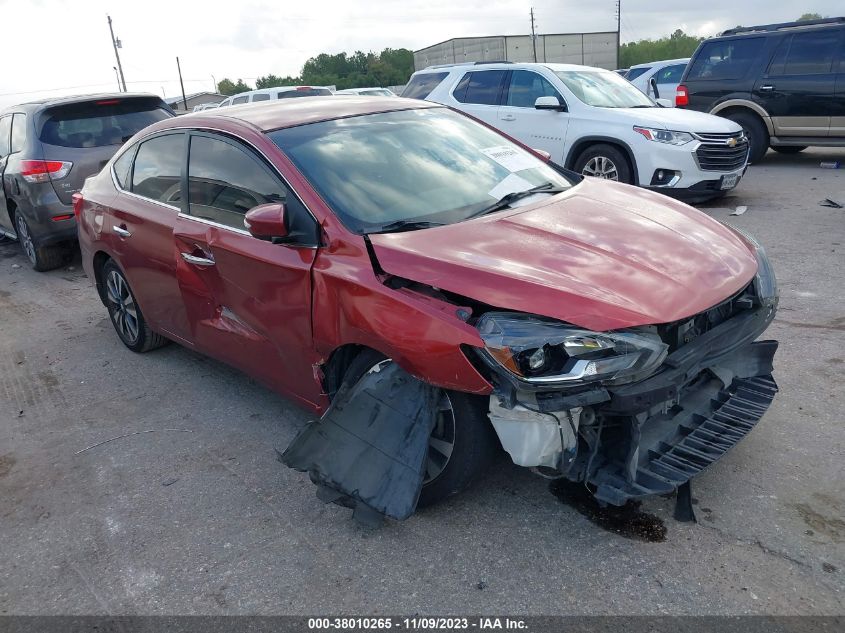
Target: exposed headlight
<point x="544" y="351"/>
<point x="765" y="282"/>
<point x="665" y="136"/>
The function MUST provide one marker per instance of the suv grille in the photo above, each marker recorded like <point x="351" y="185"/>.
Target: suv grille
<point x="714" y="153"/>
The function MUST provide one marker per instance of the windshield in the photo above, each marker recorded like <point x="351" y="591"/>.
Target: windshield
<point x="603" y="89"/>
<point x="426" y="165"/>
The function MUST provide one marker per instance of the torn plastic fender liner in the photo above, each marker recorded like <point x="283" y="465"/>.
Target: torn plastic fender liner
<point x="371" y="444"/>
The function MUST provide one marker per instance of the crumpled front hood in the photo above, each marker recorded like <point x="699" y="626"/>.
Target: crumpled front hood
<point x="601" y="255"/>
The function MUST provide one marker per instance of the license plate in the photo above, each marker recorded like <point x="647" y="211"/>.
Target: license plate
<point x="729" y="182"/>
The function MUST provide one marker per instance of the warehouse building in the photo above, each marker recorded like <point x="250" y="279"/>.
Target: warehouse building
<point x="590" y="49"/>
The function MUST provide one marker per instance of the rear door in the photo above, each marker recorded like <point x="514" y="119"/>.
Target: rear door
<point x="479" y="93"/>
<point x="5" y="138"/>
<point x="89" y="133"/>
<point x="798" y="89"/>
<point x="517" y="116"/>
<point x="248" y="300"/>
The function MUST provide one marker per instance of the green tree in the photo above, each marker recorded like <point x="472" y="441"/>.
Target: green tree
<point x="810" y="16"/>
<point x="389" y="68"/>
<point x="274" y="81"/>
<point x="676" y="45"/>
<point x="228" y="87"/>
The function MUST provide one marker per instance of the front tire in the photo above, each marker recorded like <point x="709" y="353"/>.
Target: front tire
<point x="125" y="314"/>
<point x="606" y="162"/>
<point x="755" y="131"/>
<point x="42" y="258"/>
<point x="462" y="444"/>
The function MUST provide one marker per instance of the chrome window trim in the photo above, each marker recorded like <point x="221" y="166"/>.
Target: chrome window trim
<point x="215" y="224"/>
<point x="189" y="129"/>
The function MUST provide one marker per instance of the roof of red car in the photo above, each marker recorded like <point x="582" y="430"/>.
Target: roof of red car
<point x="282" y="113"/>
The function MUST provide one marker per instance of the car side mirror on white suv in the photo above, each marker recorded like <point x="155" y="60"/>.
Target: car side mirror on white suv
<point x="549" y="103"/>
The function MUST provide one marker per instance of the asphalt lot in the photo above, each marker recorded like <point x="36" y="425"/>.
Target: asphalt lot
<point x="203" y="519"/>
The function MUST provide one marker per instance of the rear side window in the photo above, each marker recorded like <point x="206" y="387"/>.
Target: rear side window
<point x="636" y="72"/>
<point x="18" y="132"/>
<point x="670" y="74"/>
<point x="224" y="182"/>
<point x="526" y="87"/>
<point x="304" y="92"/>
<point x="99" y="124"/>
<point x="5" y="134"/>
<point x="157" y="172"/>
<point x="263" y="96"/>
<point x="238" y="100"/>
<point x="483" y="87"/>
<point x="805" y="54"/>
<point x="725" y="59"/>
<point x="421" y="86"/>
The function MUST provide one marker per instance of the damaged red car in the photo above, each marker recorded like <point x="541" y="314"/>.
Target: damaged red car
<point x="394" y="260"/>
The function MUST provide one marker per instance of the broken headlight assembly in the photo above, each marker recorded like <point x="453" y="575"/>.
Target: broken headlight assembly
<point x="765" y="282"/>
<point x="545" y="352"/>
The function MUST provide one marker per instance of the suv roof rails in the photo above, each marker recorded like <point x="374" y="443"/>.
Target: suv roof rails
<point x="783" y="25"/>
<point x="467" y="64"/>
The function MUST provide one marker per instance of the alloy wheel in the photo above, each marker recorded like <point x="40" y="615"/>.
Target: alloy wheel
<point x="122" y="307"/>
<point x="601" y="167"/>
<point x="25" y="238"/>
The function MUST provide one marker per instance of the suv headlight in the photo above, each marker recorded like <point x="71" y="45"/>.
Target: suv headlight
<point x="665" y="136"/>
<point x="544" y="351"/>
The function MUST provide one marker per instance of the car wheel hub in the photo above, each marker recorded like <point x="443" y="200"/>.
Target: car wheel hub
<point x="122" y="307"/>
<point x="601" y="167"/>
<point x="25" y="238"/>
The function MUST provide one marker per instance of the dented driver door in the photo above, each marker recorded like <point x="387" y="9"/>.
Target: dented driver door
<point x="248" y="300"/>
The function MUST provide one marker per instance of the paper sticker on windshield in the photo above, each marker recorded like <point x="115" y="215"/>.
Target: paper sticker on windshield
<point x="510" y="184"/>
<point x="511" y="158"/>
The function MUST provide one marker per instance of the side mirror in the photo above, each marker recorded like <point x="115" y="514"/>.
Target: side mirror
<point x="267" y="221"/>
<point x="653" y="84"/>
<point x="549" y="103"/>
<point x="543" y="154"/>
<point x="664" y="103"/>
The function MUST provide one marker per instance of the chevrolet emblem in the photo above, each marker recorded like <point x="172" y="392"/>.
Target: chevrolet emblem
<point x="731" y="142"/>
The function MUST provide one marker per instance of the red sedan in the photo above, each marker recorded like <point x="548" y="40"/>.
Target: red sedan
<point x="596" y="331"/>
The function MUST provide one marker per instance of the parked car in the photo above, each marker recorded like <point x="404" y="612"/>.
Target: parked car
<point x="664" y="76"/>
<point x="367" y="92"/>
<point x="596" y="329"/>
<point x="783" y="83"/>
<point x="47" y="150"/>
<point x="205" y="106"/>
<point x="594" y="122"/>
<point x="268" y="94"/>
<point x="621" y="71"/>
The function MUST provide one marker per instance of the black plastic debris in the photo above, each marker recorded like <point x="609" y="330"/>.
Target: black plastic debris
<point x="368" y="451"/>
<point x="827" y="202"/>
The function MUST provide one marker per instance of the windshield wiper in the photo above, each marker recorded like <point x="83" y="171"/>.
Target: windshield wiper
<point x="405" y="225"/>
<point x="507" y="199"/>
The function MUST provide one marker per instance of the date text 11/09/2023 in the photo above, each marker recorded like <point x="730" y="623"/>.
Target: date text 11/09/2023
<point x="416" y="623"/>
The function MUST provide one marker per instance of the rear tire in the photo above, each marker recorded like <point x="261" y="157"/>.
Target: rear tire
<point x="789" y="149"/>
<point x="125" y="313"/>
<point x="473" y="442"/>
<point x="606" y="162"/>
<point x="755" y="131"/>
<point x="42" y="258"/>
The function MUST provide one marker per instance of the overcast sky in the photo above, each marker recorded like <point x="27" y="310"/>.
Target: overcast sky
<point x="64" y="46"/>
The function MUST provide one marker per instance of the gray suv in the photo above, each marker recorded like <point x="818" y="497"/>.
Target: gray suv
<point x="47" y="150"/>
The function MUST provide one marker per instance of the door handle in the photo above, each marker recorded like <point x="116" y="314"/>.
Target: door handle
<point x="767" y="88"/>
<point x="121" y="231"/>
<point x="197" y="261"/>
<point x="508" y="117"/>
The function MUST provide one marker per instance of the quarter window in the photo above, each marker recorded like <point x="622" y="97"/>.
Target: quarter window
<point x="805" y="54"/>
<point x="421" y="86"/>
<point x="263" y="96"/>
<point x="157" y="173"/>
<point x="18" y="132"/>
<point x="224" y="182"/>
<point x="5" y="134"/>
<point x="526" y="87"/>
<point x="482" y="88"/>
<point x="726" y="59"/>
<point x="122" y="166"/>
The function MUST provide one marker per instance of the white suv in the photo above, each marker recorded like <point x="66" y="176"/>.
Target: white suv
<point x="594" y="122"/>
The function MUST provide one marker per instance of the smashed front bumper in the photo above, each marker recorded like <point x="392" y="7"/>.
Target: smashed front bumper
<point x="652" y="436"/>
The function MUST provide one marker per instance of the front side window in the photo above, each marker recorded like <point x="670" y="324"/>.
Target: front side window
<point x="431" y="164"/>
<point x="18" y="132"/>
<point x="157" y="171"/>
<point x="603" y="89"/>
<point x="5" y="134"/>
<point x="225" y="182"/>
<point x="421" y="86"/>
<point x="526" y="87"/>
<point x="805" y="54"/>
<point x="481" y="87"/>
<point x="726" y="59"/>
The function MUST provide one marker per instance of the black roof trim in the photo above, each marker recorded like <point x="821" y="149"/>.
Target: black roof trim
<point x="783" y="25"/>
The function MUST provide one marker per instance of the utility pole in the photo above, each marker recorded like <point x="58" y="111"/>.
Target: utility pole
<point x="618" y="30"/>
<point x="533" y="36"/>
<point x="117" y="44"/>
<point x="116" y="76"/>
<point x="184" y="101"/>
<point x="215" y="83"/>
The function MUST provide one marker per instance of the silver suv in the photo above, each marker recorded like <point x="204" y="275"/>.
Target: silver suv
<point x="47" y="150"/>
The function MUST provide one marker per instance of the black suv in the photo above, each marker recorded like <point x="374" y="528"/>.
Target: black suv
<point x="47" y="150"/>
<point x="783" y="83"/>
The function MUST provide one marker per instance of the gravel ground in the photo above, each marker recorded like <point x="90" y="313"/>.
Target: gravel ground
<point x="197" y="516"/>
